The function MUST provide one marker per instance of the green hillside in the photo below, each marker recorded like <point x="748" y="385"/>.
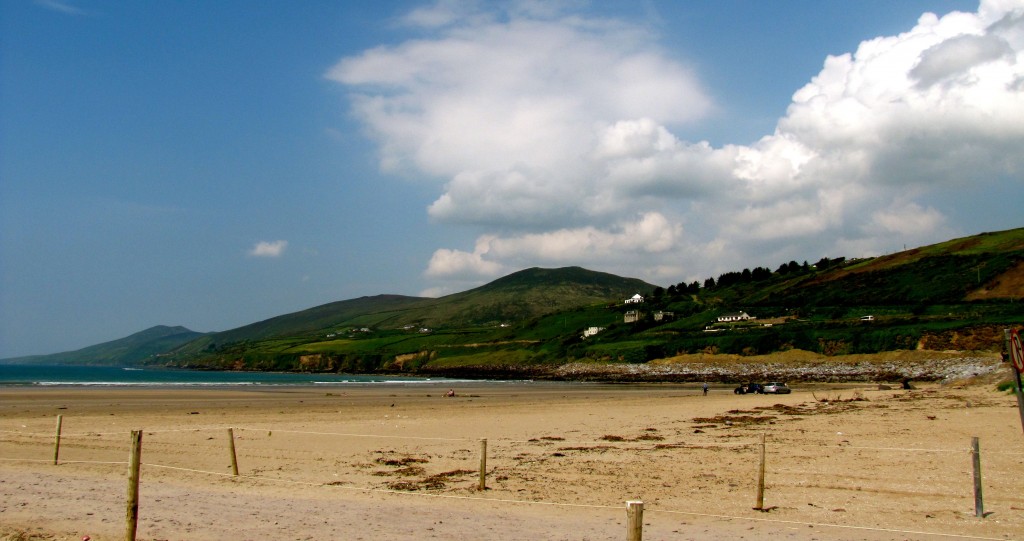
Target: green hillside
<point x="950" y="272"/>
<point x="142" y="346"/>
<point x="954" y="295"/>
<point x="950" y="294"/>
<point x="312" y="320"/>
<point x="519" y="296"/>
<point x="527" y="294"/>
<point x="367" y="333"/>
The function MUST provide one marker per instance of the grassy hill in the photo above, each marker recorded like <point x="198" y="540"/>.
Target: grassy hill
<point x="950" y="295"/>
<point x="519" y="296"/>
<point x="986" y="266"/>
<point x="957" y="294"/>
<point x="528" y="294"/>
<point x="367" y="333"/>
<point x="139" y="347"/>
<point x="305" y="322"/>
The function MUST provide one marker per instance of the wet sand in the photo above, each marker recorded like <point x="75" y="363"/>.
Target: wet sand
<point x="402" y="462"/>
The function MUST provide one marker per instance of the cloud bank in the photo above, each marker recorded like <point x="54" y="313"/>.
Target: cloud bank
<point x="551" y="133"/>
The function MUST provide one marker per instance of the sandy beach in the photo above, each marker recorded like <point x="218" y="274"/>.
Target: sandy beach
<point x="562" y="459"/>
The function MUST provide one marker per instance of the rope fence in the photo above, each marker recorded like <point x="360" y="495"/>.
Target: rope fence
<point x="266" y="448"/>
<point x="809" y="445"/>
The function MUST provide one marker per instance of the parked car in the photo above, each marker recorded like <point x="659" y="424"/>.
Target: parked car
<point x="749" y="388"/>
<point x="776" y="387"/>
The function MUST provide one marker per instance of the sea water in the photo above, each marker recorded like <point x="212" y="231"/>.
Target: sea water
<point x="71" y="375"/>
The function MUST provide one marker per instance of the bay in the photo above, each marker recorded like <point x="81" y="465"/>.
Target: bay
<point x="74" y="375"/>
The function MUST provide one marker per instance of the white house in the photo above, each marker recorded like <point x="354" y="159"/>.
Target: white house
<point x="660" y="315"/>
<point x="733" y="316"/>
<point x="631" y="316"/>
<point x="634" y="299"/>
<point x="591" y="331"/>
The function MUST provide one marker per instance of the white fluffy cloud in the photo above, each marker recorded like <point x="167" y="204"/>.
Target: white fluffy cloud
<point x="458" y="264"/>
<point x="268" y="249"/>
<point x="505" y="111"/>
<point x="551" y="133"/>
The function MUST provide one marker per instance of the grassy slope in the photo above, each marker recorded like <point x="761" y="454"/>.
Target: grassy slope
<point x="527" y="294"/>
<point x="458" y="323"/>
<point x="984" y="266"/>
<point x="124" y="351"/>
<point x="542" y="312"/>
<point x="915" y="293"/>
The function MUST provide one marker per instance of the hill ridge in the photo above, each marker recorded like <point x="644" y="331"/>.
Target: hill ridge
<point x="132" y="349"/>
<point x="538" y="315"/>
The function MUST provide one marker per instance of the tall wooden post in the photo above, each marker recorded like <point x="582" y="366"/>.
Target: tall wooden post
<point x="483" y="465"/>
<point x="979" y="503"/>
<point x="56" y="440"/>
<point x="231" y="447"/>
<point x="1017" y="388"/>
<point x="760" y="479"/>
<point x="634" y="521"/>
<point x="134" y="462"/>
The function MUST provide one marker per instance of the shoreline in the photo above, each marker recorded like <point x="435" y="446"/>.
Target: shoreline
<point x="791" y="366"/>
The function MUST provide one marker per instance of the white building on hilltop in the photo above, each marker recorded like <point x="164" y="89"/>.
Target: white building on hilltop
<point x="634" y="299"/>
<point x="733" y="316"/>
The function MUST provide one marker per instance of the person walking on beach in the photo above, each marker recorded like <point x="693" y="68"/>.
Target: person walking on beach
<point x="705" y="388"/>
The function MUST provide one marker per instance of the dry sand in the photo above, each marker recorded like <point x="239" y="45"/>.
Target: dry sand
<point x="401" y="462"/>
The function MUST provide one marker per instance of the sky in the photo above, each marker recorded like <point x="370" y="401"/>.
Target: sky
<point x="214" y="164"/>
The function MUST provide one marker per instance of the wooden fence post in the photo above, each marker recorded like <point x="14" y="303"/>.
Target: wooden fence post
<point x="134" y="462"/>
<point x="56" y="440"/>
<point x="634" y="521"/>
<point x="231" y="447"/>
<point x="760" y="479"/>
<point x="483" y="465"/>
<point x="979" y="504"/>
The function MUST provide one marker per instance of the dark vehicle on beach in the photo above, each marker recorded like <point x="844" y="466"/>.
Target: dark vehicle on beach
<point x="776" y="388"/>
<point x="749" y="388"/>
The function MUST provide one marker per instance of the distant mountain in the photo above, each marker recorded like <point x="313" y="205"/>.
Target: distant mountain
<point x="130" y="350"/>
<point x="522" y="295"/>
<point x="321" y="317"/>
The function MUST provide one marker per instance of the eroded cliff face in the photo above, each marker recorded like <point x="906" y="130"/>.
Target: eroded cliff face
<point x="410" y="361"/>
<point x="978" y="338"/>
<point x="316" y="363"/>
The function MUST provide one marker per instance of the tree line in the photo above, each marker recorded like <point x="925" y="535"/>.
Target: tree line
<point x="758" y="274"/>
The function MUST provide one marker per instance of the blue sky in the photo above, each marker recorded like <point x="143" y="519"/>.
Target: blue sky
<point x="213" y="164"/>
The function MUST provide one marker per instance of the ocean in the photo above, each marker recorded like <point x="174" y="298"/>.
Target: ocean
<point x="65" y="375"/>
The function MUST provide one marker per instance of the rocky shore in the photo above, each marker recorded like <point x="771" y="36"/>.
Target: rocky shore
<point x="943" y="370"/>
<point x="799" y="366"/>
